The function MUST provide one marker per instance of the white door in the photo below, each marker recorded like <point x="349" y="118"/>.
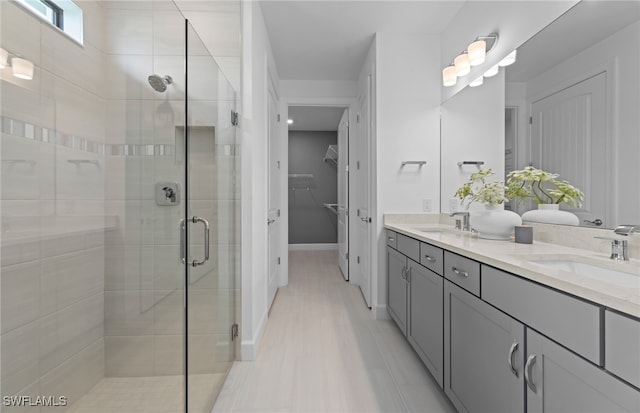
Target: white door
<point x="361" y="210"/>
<point x="343" y="194"/>
<point x="273" y="220"/>
<point x="569" y="137"/>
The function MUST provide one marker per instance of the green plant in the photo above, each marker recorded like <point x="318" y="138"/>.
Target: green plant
<point x="477" y="190"/>
<point x="543" y="187"/>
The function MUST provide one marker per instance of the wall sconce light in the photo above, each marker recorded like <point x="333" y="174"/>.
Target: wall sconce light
<point x="4" y="58"/>
<point x="461" y="62"/>
<point x="508" y="60"/>
<point x="22" y="68"/>
<point x="449" y="76"/>
<point x="474" y="55"/>
<point x="477" y="82"/>
<point x="492" y="71"/>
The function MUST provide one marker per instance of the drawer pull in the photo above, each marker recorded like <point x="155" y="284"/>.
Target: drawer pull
<point x="528" y="372"/>
<point x="391" y="239"/>
<point x="430" y="259"/>
<point x="459" y="272"/>
<point x="512" y="351"/>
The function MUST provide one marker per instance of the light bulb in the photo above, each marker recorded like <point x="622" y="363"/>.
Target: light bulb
<point x="449" y="76"/>
<point x="477" y="52"/>
<point x="509" y="59"/>
<point x="289" y="121"/>
<point x="462" y="64"/>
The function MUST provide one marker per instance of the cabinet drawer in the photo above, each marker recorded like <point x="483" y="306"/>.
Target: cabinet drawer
<point x="462" y="271"/>
<point x="569" y="321"/>
<point x="622" y="347"/>
<point x="432" y="257"/>
<point x="409" y="247"/>
<point x="392" y="239"/>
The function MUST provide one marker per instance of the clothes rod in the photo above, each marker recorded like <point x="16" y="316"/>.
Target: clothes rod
<point x="413" y="163"/>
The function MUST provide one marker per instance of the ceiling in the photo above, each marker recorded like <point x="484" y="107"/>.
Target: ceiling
<point x="315" y="118"/>
<point x="329" y="40"/>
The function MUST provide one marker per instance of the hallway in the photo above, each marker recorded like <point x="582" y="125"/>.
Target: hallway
<point x="322" y="351"/>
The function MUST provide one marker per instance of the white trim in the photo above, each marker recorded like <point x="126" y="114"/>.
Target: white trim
<point x="249" y="348"/>
<point x="313" y="247"/>
<point x="380" y="312"/>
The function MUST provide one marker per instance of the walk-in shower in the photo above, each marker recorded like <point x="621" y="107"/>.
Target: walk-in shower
<point x="101" y="178"/>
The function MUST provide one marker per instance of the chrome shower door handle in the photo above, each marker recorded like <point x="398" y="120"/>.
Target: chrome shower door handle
<point x="183" y="229"/>
<point x="195" y="220"/>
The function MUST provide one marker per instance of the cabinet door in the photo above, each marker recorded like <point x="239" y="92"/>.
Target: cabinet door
<point x="397" y="288"/>
<point x="426" y="317"/>
<point x="483" y="355"/>
<point x="560" y="381"/>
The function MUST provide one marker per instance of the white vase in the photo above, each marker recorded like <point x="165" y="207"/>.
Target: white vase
<point x="494" y="222"/>
<point x="551" y="214"/>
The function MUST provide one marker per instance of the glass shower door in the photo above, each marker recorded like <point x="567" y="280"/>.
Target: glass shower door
<point x="212" y="248"/>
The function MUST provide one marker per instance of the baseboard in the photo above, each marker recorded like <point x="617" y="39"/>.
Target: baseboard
<point x="249" y="348"/>
<point x="312" y="247"/>
<point x="380" y="312"/>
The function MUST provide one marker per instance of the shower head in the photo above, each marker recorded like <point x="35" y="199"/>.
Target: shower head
<point x="159" y="83"/>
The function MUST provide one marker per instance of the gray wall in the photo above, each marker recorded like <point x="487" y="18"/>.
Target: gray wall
<point x="309" y="221"/>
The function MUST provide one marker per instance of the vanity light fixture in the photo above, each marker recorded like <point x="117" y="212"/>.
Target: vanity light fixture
<point x="4" y="58"/>
<point x="477" y="82"/>
<point x="449" y="76"/>
<point x="492" y="71"/>
<point x="509" y="59"/>
<point x="461" y="62"/>
<point x="479" y="48"/>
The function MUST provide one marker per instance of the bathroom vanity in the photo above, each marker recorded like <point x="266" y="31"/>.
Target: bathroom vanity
<point x="507" y="327"/>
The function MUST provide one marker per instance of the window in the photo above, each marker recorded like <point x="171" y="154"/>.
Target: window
<point x="63" y="14"/>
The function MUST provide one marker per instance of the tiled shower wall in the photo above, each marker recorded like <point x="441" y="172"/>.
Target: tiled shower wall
<point x="53" y="182"/>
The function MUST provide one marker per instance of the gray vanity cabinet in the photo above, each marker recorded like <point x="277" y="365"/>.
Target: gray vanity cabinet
<point x="560" y="381"/>
<point x="397" y="288"/>
<point x="483" y="355"/>
<point x="425" y="317"/>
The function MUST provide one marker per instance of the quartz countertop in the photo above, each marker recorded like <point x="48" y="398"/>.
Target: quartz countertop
<point x="520" y="259"/>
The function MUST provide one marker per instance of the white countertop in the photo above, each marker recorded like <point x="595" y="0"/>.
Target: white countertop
<point x="515" y="258"/>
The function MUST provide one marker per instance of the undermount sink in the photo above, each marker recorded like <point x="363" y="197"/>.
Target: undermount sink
<point x="596" y="272"/>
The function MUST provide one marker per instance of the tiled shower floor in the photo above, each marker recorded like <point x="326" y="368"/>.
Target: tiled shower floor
<point x="161" y="394"/>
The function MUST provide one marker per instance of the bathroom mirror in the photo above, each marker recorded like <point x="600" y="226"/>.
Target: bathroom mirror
<point x="571" y="107"/>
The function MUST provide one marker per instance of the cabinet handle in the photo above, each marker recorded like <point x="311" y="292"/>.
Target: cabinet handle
<point x="408" y="275"/>
<point x="460" y="272"/>
<point x="403" y="273"/>
<point x="391" y="239"/>
<point x="528" y="372"/>
<point x="512" y="350"/>
<point x="430" y="259"/>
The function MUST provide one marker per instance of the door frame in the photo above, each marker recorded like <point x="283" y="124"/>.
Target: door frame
<point x="285" y="102"/>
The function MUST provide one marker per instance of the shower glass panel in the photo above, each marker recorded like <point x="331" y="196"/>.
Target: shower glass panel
<point x="106" y="154"/>
<point x="211" y="212"/>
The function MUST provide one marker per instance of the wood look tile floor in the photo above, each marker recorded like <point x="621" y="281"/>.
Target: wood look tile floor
<point x="322" y="351"/>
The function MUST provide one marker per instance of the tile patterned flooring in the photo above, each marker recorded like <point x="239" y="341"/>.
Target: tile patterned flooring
<point x="322" y="351"/>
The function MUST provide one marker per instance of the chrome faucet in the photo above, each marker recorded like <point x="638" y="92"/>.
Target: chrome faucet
<point x="626" y="230"/>
<point x="465" y="220"/>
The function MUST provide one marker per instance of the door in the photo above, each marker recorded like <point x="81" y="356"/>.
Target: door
<point x="273" y="213"/>
<point x="569" y="137"/>
<point x="483" y="355"/>
<point x="360" y="168"/>
<point x="397" y="288"/>
<point x="212" y="205"/>
<point x="424" y="330"/>
<point x="560" y="381"/>
<point x="343" y="194"/>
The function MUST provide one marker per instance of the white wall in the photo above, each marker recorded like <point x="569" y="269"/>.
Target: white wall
<point x="408" y="128"/>
<point x="472" y="130"/>
<point x="317" y="90"/>
<point x="257" y="60"/>
<point x="514" y="21"/>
